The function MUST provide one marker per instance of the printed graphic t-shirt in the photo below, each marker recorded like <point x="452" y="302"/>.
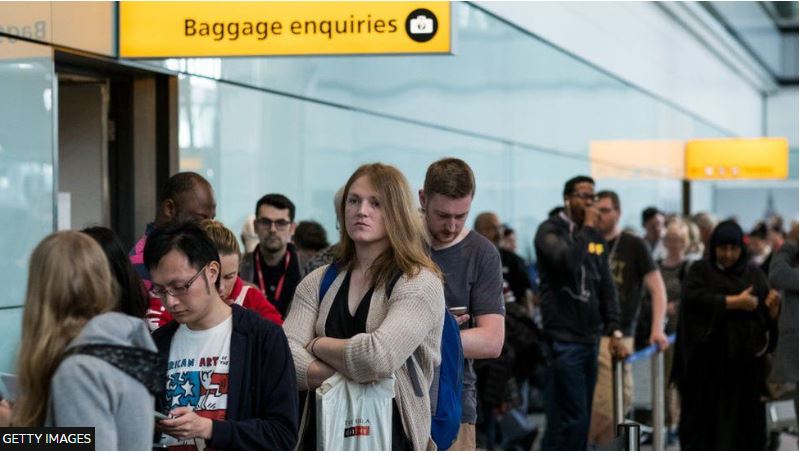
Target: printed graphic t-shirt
<point x="197" y="372"/>
<point x="630" y="261"/>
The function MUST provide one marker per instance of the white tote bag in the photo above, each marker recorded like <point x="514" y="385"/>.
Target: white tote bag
<point x="353" y="416"/>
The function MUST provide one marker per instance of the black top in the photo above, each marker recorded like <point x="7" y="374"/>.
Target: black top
<point x="273" y="275"/>
<point x="341" y="324"/>
<point x="630" y="260"/>
<point x="719" y="362"/>
<point x="579" y="300"/>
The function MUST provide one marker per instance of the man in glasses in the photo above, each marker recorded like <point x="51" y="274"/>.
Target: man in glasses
<point x="186" y="197"/>
<point x="579" y="303"/>
<point x="274" y="266"/>
<point x="230" y="381"/>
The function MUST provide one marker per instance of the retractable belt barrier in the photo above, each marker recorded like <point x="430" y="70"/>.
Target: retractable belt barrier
<point x="628" y="432"/>
<point x="647" y="352"/>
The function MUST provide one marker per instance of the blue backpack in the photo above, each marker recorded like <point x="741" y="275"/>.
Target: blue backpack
<point x="445" y="392"/>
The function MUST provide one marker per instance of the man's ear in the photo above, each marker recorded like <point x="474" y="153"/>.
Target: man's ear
<point x="422" y="200"/>
<point x="292" y="227"/>
<point x="212" y="271"/>
<point x="168" y="208"/>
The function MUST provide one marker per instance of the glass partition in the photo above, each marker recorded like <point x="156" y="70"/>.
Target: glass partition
<point x="522" y="112"/>
<point x="27" y="83"/>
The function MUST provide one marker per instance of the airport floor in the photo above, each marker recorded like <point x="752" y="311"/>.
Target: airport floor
<point x="788" y="442"/>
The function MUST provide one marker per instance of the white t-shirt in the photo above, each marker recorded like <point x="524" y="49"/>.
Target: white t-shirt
<point x="197" y="372"/>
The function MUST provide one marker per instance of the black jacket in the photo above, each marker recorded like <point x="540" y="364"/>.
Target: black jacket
<point x="262" y="392"/>
<point x="578" y="297"/>
<point x="719" y="364"/>
<point x="247" y="271"/>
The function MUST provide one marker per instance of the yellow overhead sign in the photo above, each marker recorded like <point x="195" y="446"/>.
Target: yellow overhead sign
<point x="757" y="158"/>
<point x="217" y="29"/>
<point x="636" y="159"/>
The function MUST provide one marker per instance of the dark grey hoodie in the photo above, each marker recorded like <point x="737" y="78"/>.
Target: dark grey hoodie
<point x="88" y="391"/>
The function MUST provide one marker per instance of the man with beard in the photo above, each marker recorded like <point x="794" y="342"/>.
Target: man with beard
<point x="186" y="197"/>
<point x="633" y="271"/>
<point x="579" y="304"/>
<point x="473" y="280"/>
<point x="274" y="266"/>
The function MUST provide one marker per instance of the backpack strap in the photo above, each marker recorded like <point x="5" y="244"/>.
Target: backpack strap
<point x="145" y="366"/>
<point x="327" y="280"/>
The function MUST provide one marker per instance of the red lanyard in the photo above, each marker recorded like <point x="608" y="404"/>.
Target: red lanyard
<point x="279" y="288"/>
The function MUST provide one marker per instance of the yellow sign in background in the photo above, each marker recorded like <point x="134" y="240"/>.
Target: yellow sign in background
<point x="215" y="29"/>
<point x="756" y="158"/>
<point x="636" y="159"/>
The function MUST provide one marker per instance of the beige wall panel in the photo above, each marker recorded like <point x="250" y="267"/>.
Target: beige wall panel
<point x="26" y="19"/>
<point x="88" y="26"/>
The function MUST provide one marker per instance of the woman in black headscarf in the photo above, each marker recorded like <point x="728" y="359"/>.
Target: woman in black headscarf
<point x="726" y="326"/>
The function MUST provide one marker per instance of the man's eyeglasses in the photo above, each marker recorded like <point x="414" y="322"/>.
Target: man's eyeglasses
<point x="585" y="196"/>
<point x="161" y="293"/>
<point x="267" y="223"/>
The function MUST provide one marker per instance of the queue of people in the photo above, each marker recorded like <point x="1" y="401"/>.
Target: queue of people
<point x="189" y="343"/>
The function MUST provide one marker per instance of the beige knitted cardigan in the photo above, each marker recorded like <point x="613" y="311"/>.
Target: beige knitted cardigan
<point x="410" y="322"/>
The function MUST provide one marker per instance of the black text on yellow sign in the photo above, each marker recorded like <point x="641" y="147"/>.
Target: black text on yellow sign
<point x="218" y="29"/>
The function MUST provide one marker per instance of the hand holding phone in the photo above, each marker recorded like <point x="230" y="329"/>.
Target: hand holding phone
<point x="457" y="311"/>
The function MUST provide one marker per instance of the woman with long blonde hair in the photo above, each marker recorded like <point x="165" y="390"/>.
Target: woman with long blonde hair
<point x="65" y="362"/>
<point x="362" y="329"/>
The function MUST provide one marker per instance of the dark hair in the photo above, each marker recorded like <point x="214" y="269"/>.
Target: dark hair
<point x="610" y="194"/>
<point x="131" y="297"/>
<point x="648" y="213"/>
<point x="450" y="177"/>
<point x="310" y="235"/>
<point x="277" y="201"/>
<point x="569" y="186"/>
<point x="187" y="238"/>
<point x="759" y="231"/>
<point x="728" y="233"/>
<point x="180" y="183"/>
<point x="507" y="230"/>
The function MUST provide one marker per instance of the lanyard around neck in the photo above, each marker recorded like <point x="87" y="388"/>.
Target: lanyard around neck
<point x="262" y="285"/>
<point x="613" y="252"/>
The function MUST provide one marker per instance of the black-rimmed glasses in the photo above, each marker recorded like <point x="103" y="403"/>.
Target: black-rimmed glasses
<point x="267" y="223"/>
<point x="585" y="196"/>
<point x="161" y="293"/>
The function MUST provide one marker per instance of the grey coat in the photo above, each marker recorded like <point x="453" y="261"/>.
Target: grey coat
<point x="87" y="391"/>
<point x="783" y="276"/>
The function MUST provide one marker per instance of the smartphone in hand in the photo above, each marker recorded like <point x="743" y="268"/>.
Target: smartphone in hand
<point x="457" y="311"/>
